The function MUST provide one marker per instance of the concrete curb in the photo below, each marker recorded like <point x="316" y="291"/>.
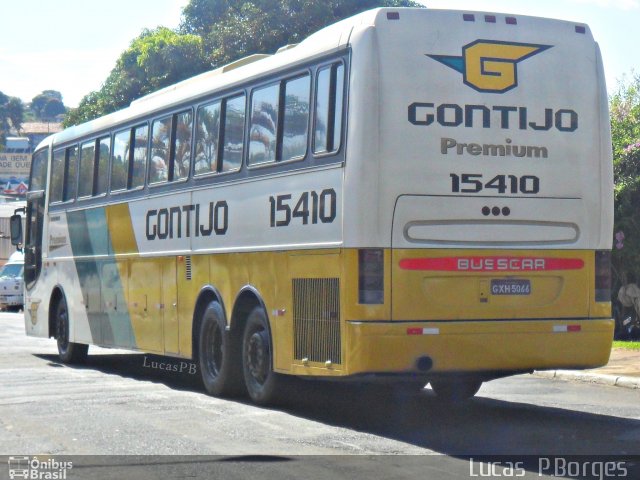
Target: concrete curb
<point x="596" y="378"/>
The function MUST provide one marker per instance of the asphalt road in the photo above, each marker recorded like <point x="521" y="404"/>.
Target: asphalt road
<point x="131" y="406"/>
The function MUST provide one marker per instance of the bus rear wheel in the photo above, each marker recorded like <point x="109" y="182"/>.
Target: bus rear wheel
<point x="453" y="390"/>
<point x="68" y="352"/>
<point x="219" y="366"/>
<point x="263" y="384"/>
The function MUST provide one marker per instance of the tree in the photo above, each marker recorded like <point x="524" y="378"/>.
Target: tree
<point x="234" y="29"/>
<point x="625" y="133"/>
<point x="4" y="120"/>
<point x="40" y="102"/>
<point x="53" y="108"/>
<point x="155" y="59"/>
<point x="11" y="115"/>
<point x="212" y="33"/>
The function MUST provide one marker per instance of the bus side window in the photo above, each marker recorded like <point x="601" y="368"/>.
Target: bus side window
<point x="264" y="124"/>
<point x="182" y="146"/>
<point x="207" y="139"/>
<point x="57" y="176"/>
<point x="39" y="174"/>
<point x="120" y="160"/>
<point x="71" y="180"/>
<point x="140" y="142"/>
<point x="160" y="150"/>
<point x="328" y="109"/>
<point x="87" y="165"/>
<point x="296" y="117"/>
<point x="232" y="137"/>
<point x="102" y="169"/>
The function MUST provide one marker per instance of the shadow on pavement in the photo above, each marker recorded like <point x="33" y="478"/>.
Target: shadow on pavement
<point x="481" y="426"/>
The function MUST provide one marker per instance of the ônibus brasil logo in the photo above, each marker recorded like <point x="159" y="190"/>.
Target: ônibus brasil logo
<point x="34" y="468"/>
<point x="490" y="65"/>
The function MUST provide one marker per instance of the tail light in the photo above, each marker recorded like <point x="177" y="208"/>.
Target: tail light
<point x="371" y="276"/>
<point x="603" y="276"/>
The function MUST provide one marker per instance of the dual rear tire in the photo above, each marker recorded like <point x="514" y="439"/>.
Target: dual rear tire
<point x="230" y="364"/>
<point x="263" y="385"/>
<point x="217" y="354"/>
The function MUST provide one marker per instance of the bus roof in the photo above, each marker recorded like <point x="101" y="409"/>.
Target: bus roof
<point x="329" y="39"/>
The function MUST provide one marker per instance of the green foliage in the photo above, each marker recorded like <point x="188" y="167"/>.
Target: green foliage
<point x="53" y="108"/>
<point x="212" y="33"/>
<point x="155" y="59"/>
<point x="11" y="115"/>
<point x="625" y="117"/>
<point x="234" y="29"/>
<point x="626" y="345"/>
<point x="47" y="105"/>
<point x="625" y="133"/>
<point x="14" y="109"/>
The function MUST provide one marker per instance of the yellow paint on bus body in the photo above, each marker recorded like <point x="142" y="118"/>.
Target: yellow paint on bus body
<point x="466" y="295"/>
<point x="478" y="346"/>
<point x="451" y="317"/>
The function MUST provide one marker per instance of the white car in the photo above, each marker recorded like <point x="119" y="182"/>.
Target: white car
<point x="12" y="282"/>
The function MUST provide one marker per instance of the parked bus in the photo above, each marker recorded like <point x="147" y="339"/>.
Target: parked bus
<point x="407" y="196"/>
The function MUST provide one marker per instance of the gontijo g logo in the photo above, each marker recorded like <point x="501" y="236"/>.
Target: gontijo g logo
<point x="490" y="65"/>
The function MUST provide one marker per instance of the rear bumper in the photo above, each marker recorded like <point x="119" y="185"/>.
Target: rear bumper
<point x="477" y="346"/>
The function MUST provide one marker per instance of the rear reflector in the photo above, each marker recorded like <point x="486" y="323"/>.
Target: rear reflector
<point x="566" y="328"/>
<point x="603" y="276"/>
<point x="371" y="276"/>
<point x="423" y="331"/>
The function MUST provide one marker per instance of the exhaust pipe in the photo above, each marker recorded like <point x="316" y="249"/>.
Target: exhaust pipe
<point x="424" y="363"/>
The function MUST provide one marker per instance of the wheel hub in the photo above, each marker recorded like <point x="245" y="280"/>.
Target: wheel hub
<point x="214" y="350"/>
<point x="257" y="356"/>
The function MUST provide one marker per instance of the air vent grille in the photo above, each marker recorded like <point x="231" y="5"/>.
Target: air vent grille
<point x="187" y="266"/>
<point x="316" y="319"/>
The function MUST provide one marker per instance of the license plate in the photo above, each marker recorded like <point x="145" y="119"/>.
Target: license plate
<point x="510" y="287"/>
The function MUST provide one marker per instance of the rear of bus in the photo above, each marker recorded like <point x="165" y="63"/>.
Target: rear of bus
<point x="478" y="189"/>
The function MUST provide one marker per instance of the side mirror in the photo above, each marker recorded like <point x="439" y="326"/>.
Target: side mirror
<point x="15" y="223"/>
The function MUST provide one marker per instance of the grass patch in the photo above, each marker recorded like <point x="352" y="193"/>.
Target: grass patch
<point x="627" y="345"/>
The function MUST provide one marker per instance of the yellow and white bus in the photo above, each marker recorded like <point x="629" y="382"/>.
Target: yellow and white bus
<point x="408" y="195"/>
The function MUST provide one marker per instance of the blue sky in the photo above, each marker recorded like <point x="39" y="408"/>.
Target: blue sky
<point x="72" y="45"/>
